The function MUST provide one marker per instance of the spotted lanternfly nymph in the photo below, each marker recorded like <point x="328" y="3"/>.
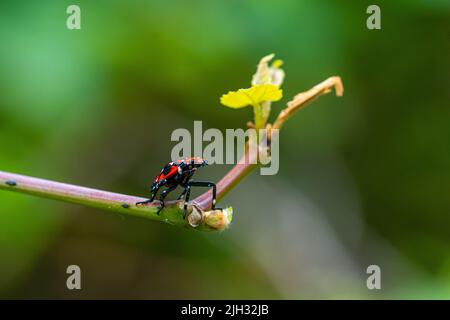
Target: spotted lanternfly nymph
<point x="179" y="173"/>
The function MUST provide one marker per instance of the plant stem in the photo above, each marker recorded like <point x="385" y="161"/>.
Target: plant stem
<point x="246" y="164"/>
<point x="303" y="98"/>
<point x="120" y="203"/>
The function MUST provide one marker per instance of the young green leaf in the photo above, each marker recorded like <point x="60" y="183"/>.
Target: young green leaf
<point x="251" y="96"/>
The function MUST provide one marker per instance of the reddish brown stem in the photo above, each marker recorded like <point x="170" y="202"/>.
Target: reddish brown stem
<point x="232" y="178"/>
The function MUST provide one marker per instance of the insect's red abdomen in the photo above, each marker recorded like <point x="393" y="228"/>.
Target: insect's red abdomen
<point x="172" y="171"/>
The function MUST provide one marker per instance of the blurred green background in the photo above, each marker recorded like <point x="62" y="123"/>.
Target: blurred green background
<point x="364" y="179"/>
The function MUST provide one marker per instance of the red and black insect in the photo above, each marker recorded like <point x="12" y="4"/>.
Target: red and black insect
<point x="179" y="173"/>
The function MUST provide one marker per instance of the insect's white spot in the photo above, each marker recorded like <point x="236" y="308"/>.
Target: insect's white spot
<point x="180" y="171"/>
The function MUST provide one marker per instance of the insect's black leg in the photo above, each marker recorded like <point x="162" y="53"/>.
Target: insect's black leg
<point x="209" y="185"/>
<point x="143" y="202"/>
<point x="183" y="193"/>
<point x="163" y="195"/>
<point x="149" y="200"/>
<point x="186" y="200"/>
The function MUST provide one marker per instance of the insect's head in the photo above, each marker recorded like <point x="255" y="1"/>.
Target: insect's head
<point x="196" y="162"/>
<point x="191" y="164"/>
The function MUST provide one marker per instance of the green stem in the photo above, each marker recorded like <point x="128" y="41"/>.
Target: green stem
<point x="261" y="114"/>
<point x="120" y="203"/>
